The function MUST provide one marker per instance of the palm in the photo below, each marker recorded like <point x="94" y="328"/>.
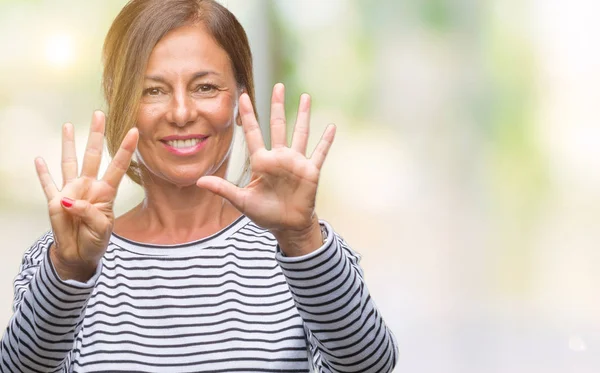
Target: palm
<point x="283" y="186"/>
<point x="71" y="231"/>
<point x="82" y="231"/>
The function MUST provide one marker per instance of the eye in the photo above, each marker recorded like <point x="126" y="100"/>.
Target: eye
<point x="206" y="88"/>
<point x="152" y="91"/>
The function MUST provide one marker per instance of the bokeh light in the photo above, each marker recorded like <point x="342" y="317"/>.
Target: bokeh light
<point x="60" y="50"/>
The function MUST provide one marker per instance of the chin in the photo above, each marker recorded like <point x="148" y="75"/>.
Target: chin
<point x="185" y="179"/>
<point x="180" y="177"/>
<point x="184" y="183"/>
<point x="183" y="175"/>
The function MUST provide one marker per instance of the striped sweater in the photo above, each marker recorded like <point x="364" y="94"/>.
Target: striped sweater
<point x="228" y="303"/>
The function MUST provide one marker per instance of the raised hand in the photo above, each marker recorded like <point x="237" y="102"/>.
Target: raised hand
<point x="282" y="190"/>
<point x="81" y="212"/>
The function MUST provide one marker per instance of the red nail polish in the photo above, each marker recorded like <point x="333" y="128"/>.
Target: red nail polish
<point x="67" y="202"/>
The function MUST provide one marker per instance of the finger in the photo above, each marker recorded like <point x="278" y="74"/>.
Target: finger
<point x="251" y="128"/>
<point x="278" y="126"/>
<point x="50" y="189"/>
<point x="69" y="156"/>
<point x="120" y="163"/>
<point x="320" y="153"/>
<point x="225" y="189"/>
<point x="302" y="126"/>
<point x="93" y="150"/>
<point x="84" y="210"/>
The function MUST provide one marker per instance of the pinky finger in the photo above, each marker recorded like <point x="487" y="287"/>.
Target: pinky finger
<point x="50" y="189"/>
<point x="320" y="153"/>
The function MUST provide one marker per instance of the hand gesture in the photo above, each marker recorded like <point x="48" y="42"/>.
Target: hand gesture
<point x="81" y="212"/>
<point x="282" y="190"/>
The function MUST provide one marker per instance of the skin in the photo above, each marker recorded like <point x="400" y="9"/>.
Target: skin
<point x="187" y="198"/>
<point x="189" y="89"/>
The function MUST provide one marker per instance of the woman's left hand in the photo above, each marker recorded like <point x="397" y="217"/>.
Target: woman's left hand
<point x="282" y="190"/>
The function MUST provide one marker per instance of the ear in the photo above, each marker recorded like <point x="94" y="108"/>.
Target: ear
<point x="238" y="117"/>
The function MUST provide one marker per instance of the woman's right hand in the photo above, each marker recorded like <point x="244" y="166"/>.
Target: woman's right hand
<point x="81" y="212"/>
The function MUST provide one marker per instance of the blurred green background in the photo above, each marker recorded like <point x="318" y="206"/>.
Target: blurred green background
<point x="466" y="168"/>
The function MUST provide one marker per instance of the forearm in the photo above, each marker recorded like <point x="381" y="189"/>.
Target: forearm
<point x="300" y="242"/>
<point x="338" y="311"/>
<point x="42" y="330"/>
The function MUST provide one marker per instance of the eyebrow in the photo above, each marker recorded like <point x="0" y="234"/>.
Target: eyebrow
<point x="199" y="74"/>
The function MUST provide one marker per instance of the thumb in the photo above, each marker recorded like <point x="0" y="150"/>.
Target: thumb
<point x="225" y="189"/>
<point x="83" y="210"/>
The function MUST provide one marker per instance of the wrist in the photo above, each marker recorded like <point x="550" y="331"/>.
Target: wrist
<point x="67" y="271"/>
<point x="300" y="242"/>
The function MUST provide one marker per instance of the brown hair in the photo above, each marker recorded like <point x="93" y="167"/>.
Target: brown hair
<point x="130" y="41"/>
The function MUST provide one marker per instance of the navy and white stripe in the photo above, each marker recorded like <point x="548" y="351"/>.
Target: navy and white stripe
<point x="228" y="303"/>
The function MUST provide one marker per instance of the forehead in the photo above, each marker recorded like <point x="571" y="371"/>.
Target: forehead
<point x="187" y="50"/>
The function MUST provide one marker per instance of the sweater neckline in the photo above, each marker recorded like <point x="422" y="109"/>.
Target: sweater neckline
<point x="216" y="239"/>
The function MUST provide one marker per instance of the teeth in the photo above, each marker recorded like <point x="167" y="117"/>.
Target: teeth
<point x="181" y="144"/>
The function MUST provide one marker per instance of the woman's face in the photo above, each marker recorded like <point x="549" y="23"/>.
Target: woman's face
<point x="188" y="108"/>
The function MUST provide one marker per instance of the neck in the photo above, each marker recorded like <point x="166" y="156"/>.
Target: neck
<point x="175" y="214"/>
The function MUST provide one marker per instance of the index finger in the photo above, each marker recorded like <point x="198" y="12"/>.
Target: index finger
<point x="120" y="163"/>
<point x="250" y="125"/>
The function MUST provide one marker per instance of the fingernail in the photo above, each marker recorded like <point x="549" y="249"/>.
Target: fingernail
<point x="67" y="202"/>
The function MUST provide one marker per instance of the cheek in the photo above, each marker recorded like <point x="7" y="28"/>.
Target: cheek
<point x="147" y="114"/>
<point x="219" y="112"/>
<point x="146" y="122"/>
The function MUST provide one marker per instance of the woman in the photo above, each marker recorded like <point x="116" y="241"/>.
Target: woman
<point x="202" y="275"/>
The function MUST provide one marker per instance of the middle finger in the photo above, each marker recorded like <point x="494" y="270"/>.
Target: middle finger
<point x="278" y="125"/>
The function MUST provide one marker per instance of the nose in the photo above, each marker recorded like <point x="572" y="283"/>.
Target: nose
<point x="182" y="111"/>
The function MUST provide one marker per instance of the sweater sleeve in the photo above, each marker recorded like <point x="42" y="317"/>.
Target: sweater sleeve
<point x="345" y="330"/>
<point x="47" y="314"/>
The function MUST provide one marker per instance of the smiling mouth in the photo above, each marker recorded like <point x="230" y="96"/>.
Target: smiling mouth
<point x="183" y="144"/>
